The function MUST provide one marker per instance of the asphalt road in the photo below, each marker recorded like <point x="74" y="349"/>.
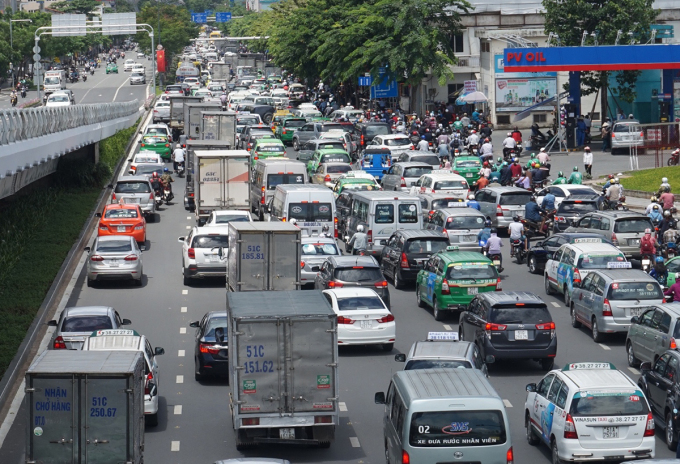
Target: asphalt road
<point x="194" y="421"/>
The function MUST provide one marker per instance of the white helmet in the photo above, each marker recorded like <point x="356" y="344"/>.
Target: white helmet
<point x="542" y="149"/>
<point x="471" y="196"/>
<point x="664" y="180"/>
<point x="293" y="221"/>
<point x="616" y="180"/>
<point x="509" y="134"/>
<point x="360" y="228"/>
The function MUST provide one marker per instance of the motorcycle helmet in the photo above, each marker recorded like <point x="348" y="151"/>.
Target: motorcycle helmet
<point x="667" y="189"/>
<point x="422" y="137"/>
<point x="653" y="198"/>
<point x="560" y="174"/>
<point x="505" y="163"/>
<point x="616" y="180"/>
<point x="575" y="168"/>
<point x="610" y="176"/>
<point x="648" y="231"/>
<point x="473" y="131"/>
<point x="509" y="134"/>
<point x="500" y="159"/>
<point x="487" y="223"/>
<point x="486" y="164"/>
<point x="154" y="175"/>
<point x="360" y="228"/>
<point x="471" y="197"/>
<point x="533" y="155"/>
<point x="586" y="149"/>
<point x="494" y="230"/>
<point x="666" y="213"/>
<point x="659" y="259"/>
<point x="655" y="207"/>
<point x="515" y="160"/>
<point x="165" y="169"/>
<point x="664" y="180"/>
<point x="516" y="218"/>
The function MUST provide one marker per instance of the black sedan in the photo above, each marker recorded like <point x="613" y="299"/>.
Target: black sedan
<point x="541" y="251"/>
<point x="211" y="355"/>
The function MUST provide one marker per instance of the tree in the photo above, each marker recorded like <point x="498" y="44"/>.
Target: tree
<point x="570" y="18"/>
<point x="176" y="27"/>
<point x="75" y="6"/>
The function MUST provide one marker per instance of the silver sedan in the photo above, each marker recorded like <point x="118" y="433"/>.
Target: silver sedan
<point x="114" y="257"/>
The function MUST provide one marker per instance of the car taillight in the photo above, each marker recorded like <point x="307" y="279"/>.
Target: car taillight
<point x="208" y="348"/>
<point x="192" y="253"/>
<point x="577" y="276"/>
<point x="445" y="288"/>
<point x="59" y="343"/>
<point x="499" y="211"/>
<point x="302" y="264"/>
<point x="509" y="456"/>
<point x="139" y="226"/>
<point x="615" y="241"/>
<point x="284" y="132"/>
<point x="151" y="197"/>
<point x="546" y="326"/>
<point x="333" y="284"/>
<point x="560" y="219"/>
<point x="673" y="345"/>
<point x="103" y="226"/>
<point x="606" y="308"/>
<point x="491" y="327"/>
<point x="335" y="227"/>
<point x="143" y="145"/>
<point x="345" y="320"/>
<point x="362" y="143"/>
<point x="131" y="258"/>
<point x="570" y="428"/>
<point x="327" y="178"/>
<point x="369" y="236"/>
<point x="97" y="258"/>
<point x="251" y="421"/>
<point x="382" y="284"/>
<point x="649" y="429"/>
<point x="499" y="287"/>
<point x="323" y="419"/>
<point x="405" y="458"/>
<point x="404" y="261"/>
<point x="388" y="318"/>
<point x="403" y="182"/>
<point x="262" y="196"/>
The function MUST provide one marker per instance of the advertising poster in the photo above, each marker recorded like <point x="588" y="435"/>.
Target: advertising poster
<point x="518" y="94"/>
<point x="676" y="101"/>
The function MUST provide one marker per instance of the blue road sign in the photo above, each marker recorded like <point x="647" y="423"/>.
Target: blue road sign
<point x="365" y="81"/>
<point x="222" y="17"/>
<point x="208" y="12"/>
<point x="385" y="89"/>
<point x="199" y="18"/>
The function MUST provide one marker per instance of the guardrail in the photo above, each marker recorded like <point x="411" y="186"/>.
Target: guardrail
<point x="19" y="125"/>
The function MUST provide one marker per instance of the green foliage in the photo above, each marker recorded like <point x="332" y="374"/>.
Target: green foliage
<point x="75" y="6"/>
<point x="648" y="180"/>
<point x="176" y="27"/>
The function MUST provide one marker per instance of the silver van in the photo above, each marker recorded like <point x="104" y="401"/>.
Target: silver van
<point x="501" y="204"/>
<point x="269" y="173"/>
<point x="443" y="350"/>
<point x="444" y="415"/>
<point x="381" y="214"/>
<point x="311" y="206"/>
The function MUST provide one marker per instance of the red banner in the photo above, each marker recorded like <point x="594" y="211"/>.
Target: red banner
<point x="160" y="60"/>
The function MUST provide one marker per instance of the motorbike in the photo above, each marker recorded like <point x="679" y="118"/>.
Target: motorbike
<point x="180" y="169"/>
<point x="359" y="251"/>
<point x="92" y="71"/>
<point x="670" y="250"/>
<point x="482" y="245"/>
<point x="532" y="228"/>
<point x="516" y="249"/>
<point x="167" y="195"/>
<point x="674" y="159"/>
<point x="23" y="92"/>
<point x="14" y="100"/>
<point x="647" y="260"/>
<point x="84" y="77"/>
<point x="496" y="260"/>
<point x="158" y="198"/>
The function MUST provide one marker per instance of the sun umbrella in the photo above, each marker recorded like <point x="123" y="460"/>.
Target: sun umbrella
<point x="474" y="97"/>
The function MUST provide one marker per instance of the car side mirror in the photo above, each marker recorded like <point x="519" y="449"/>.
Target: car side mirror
<point x="379" y="398"/>
<point x="401" y="357"/>
<point x="531" y="387"/>
<point x="98" y="215"/>
<point x="142" y="247"/>
<point x="159" y="351"/>
<point x="129" y="160"/>
<point x="645" y="367"/>
<point x="52" y="323"/>
<point x="490" y="359"/>
<point x="194" y="324"/>
<point x="126" y="322"/>
<point x="219" y="335"/>
<point x="109" y="186"/>
<point x="384" y="171"/>
<point x="634" y="320"/>
<point x="140" y="140"/>
<point x="181" y="239"/>
<point x="87" y="249"/>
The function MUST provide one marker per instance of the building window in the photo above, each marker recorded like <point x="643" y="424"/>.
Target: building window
<point x="457" y="43"/>
<point x="540" y="118"/>
<point x="503" y="118"/>
<point x="453" y="92"/>
<point x="485" y="46"/>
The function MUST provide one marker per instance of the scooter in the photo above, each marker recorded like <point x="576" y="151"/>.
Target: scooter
<point x="158" y="198"/>
<point x="670" y="249"/>
<point x="496" y="260"/>
<point x="14" y="101"/>
<point x="180" y="169"/>
<point x="167" y="195"/>
<point x="92" y="71"/>
<point x="646" y="261"/>
<point x="23" y="92"/>
<point x="84" y="77"/>
<point x="517" y="249"/>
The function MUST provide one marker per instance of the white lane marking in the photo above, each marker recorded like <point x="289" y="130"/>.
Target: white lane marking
<point x="355" y="442"/>
<point x="183" y="309"/>
<point x="189" y="217"/>
<point x="507" y="403"/>
<point x="93" y="87"/>
<point x="447" y="327"/>
<point x="114" y="99"/>
<point x="188" y="227"/>
<point x="182" y="330"/>
<point x="180" y="379"/>
<point x="634" y="371"/>
<point x="342" y="406"/>
<point x="604" y="347"/>
<point x="178" y="409"/>
<point x="185" y="292"/>
<point x="555" y="304"/>
<point x="174" y="446"/>
<point x="181" y="353"/>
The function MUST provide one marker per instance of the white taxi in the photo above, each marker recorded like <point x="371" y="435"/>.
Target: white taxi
<point x="442" y="181"/>
<point x="146" y="157"/>
<point x="589" y="412"/>
<point x="569" y="265"/>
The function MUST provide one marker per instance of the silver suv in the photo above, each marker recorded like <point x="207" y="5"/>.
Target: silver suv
<point x="315" y="250"/>
<point x="501" y="204"/>
<point x="135" y="190"/>
<point x="622" y="228"/>
<point x="607" y="300"/>
<point x="652" y="333"/>
<point x="626" y="134"/>
<point x="402" y="176"/>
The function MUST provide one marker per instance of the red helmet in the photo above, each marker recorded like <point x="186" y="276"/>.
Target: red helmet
<point x="486" y="164"/>
<point x="154" y="175"/>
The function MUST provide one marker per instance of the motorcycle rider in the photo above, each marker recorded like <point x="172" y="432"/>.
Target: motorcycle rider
<point x="156" y="184"/>
<point x="509" y="144"/>
<point x="516" y="231"/>
<point x="13" y="97"/>
<point x="535" y="214"/>
<point x="548" y="203"/>
<point x="359" y="240"/>
<point x="653" y="203"/>
<point x="423" y="145"/>
<point x="465" y="120"/>
<point x="177" y="156"/>
<point x="560" y="179"/>
<point x="472" y="203"/>
<point x="662" y="187"/>
<point x="648" y="243"/>
<point x="223" y="99"/>
<point x="493" y="245"/>
<point x="659" y="272"/>
<point x="484" y="234"/>
<point x="667" y="198"/>
<point x="655" y="215"/>
<point x="486" y="170"/>
<point x="670" y="235"/>
<point x="486" y="152"/>
<point x="506" y="174"/>
<point x="668" y="222"/>
<point x="575" y="177"/>
<point x="517" y="135"/>
<point x="167" y="180"/>
<point x="613" y="193"/>
<point x="543" y="156"/>
<point x="516" y="168"/>
<point x="674" y="289"/>
<point x="495" y="175"/>
<point x="473" y="140"/>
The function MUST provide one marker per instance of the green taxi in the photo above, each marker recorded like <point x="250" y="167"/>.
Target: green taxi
<point x="287" y="128"/>
<point x="158" y="144"/>
<point x="673" y="267"/>
<point x="327" y="155"/>
<point x="468" y="167"/>
<point x="112" y="68"/>
<point x="267" y="148"/>
<point x="351" y="182"/>
<point x="450" y="279"/>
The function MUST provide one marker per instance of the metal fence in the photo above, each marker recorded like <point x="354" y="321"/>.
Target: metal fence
<point x="650" y="145"/>
<point x="20" y="125"/>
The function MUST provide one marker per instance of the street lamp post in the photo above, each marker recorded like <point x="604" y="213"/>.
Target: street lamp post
<point x="11" y="40"/>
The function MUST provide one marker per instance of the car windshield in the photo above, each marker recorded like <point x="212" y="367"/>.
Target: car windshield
<point x="582" y="191"/>
<point x="122" y="213"/>
<point x="576" y="209"/>
<point x="114" y="246"/>
<point x="515" y="199"/>
<point x="445" y="429"/>
<point x="632" y="225"/>
<point x="59" y="98"/>
<point x="210" y="241"/>
<point x="132" y="187"/>
<point x="435" y="364"/>
<point x="335" y="158"/>
<point x="270" y="147"/>
<point x="359" y="274"/>
<point x="372" y="131"/>
<point x="360" y="303"/>
<point x="519" y="314"/>
<point x="417" y="171"/>
<point x="425" y="245"/>
<point x="338" y="169"/>
<point x="135" y="74"/>
<point x="397" y="142"/>
<point x="86" y="323"/>
<point x="148" y="170"/>
<point x="319" y="249"/>
<point x="604" y="403"/>
<point x="465" y="222"/>
<point x="330" y="145"/>
<point x="227" y="218"/>
<point x="277" y="179"/>
<point x="157" y="130"/>
<point x="368" y="185"/>
<point x="471" y="271"/>
<point x="598" y="261"/>
<point x="468" y="164"/>
<point x="173" y="88"/>
<point x="450" y="185"/>
<point x="155" y="140"/>
<point x="626" y="127"/>
<point x="247" y="121"/>
<point x="330" y="127"/>
<point x="635" y="291"/>
<point x="213" y="323"/>
<point x="294" y="123"/>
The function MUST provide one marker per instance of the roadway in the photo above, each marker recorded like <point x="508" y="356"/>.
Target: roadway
<point x="194" y="419"/>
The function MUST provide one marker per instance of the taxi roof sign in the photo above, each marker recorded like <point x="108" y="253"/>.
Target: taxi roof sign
<point x="584" y="366"/>
<point x="587" y="240"/>
<point x="452" y="248"/>
<point x="103" y="333"/>
<point x="448" y="336"/>
<point x="619" y="265"/>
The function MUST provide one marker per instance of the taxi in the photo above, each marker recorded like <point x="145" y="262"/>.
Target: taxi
<point x="467" y="166"/>
<point x="355" y="180"/>
<point x="569" y="265"/>
<point x="589" y="411"/>
<point x="157" y="143"/>
<point x="450" y="279"/>
<point x="267" y="148"/>
<point x="145" y="156"/>
<point x="327" y="155"/>
<point x="122" y="219"/>
<point x="287" y="126"/>
<point x="442" y="181"/>
<point x="111" y="68"/>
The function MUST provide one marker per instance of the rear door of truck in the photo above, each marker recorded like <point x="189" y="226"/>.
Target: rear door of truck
<point x="283" y="262"/>
<point x="237" y="187"/>
<point x="210" y="183"/>
<point x="52" y="432"/>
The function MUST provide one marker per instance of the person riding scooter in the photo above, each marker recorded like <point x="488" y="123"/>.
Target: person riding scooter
<point x="359" y="240"/>
<point x="535" y="214"/>
<point x="167" y="180"/>
<point x="156" y="184"/>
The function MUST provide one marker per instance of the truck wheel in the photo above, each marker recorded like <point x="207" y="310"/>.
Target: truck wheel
<point x="388" y="347"/>
<point x="241" y="442"/>
<point x="151" y="420"/>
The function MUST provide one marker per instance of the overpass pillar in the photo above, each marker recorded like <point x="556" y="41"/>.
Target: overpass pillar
<point x="96" y="152"/>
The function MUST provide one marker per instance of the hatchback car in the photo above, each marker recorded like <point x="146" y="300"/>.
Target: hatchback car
<point x="352" y="271"/>
<point x="656" y="330"/>
<point x="114" y="257"/>
<point x="468" y="167"/>
<point x="287" y="128"/>
<point x="501" y="204"/>
<point x="440" y="181"/>
<point x="401" y="176"/>
<point x="75" y="324"/>
<point x="460" y="225"/>
<point x="315" y="250"/>
<point x="395" y="143"/>
<point x="623" y="228"/>
<point x="563" y="191"/>
<point x="111" y="68"/>
<point x="607" y="300"/>
<point x="161" y="111"/>
<point x="158" y="143"/>
<point x="627" y="134"/>
<point x="122" y="219"/>
<point x="510" y="325"/>
<point x="211" y="352"/>
<point x="137" y="78"/>
<point x="406" y="251"/>
<point x="201" y="254"/>
<point x="363" y="317"/>
<point x="308" y="149"/>
<point x="136" y="190"/>
<point x="572" y="209"/>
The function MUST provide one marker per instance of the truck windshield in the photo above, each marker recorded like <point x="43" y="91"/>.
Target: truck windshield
<point x="603" y="403"/>
<point x="276" y="179"/>
<point x="457" y="428"/>
<point x="51" y="80"/>
<point x="310" y="212"/>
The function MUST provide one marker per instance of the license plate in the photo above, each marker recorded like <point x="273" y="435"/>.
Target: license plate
<point x="497" y="262"/>
<point x="366" y="324"/>
<point x="286" y="434"/>
<point x="634" y="312"/>
<point x="121" y="228"/>
<point x="634" y="241"/>
<point x="521" y="335"/>
<point x="473" y="290"/>
<point x="610" y="432"/>
<point x="470" y="238"/>
<point x="113" y="263"/>
<point x="469" y="174"/>
<point x="214" y="258"/>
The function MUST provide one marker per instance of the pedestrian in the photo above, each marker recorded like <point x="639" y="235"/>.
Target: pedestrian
<point x="580" y="132"/>
<point x="606" y="137"/>
<point x="588" y="161"/>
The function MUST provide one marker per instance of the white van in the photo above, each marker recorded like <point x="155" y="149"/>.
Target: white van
<point x="312" y="206"/>
<point x="269" y="173"/>
<point x="381" y="214"/>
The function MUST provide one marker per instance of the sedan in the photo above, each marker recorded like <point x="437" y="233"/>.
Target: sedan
<point x="137" y="78"/>
<point x="159" y="144"/>
<point x="363" y="317"/>
<point x="122" y="219"/>
<point x="76" y="324"/>
<point x="540" y="252"/>
<point x="111" y="68"/>
<point x="211" y="355"/>
<point x="114" y="257"/>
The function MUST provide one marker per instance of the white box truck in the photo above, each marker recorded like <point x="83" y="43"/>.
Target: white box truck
<point x="222" y="181"/>
<point x="85" y="407"/>
<point x="54" y="81"/>
<point x="219" y="125"/>
<point x="283" y="371"/>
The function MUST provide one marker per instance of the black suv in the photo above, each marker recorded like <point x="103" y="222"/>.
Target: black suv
<point x="660" y="382"/>
<point x="573" y="208"/>
<point x="510" y="325"/>
<point x="352" y="271"/>
<point x="368" y="130"/>
<point x="406" y="251"/>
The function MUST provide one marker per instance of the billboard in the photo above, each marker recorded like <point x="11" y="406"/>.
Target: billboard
<point x="514" y="95"/>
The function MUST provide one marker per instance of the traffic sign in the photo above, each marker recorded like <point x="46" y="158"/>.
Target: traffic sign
<point x="208" y="12"/>
<point x="36" y="49"/>
<point x="199" y="18"/>
<point x="365" y="81"/>
<point x="222" y="17"/>
<point x="37" y="65"/>
<point x="36" y="57"/>
<point x="385" y="89"/>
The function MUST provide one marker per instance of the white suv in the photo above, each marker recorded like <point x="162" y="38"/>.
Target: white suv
<point x="203" y="253"/>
